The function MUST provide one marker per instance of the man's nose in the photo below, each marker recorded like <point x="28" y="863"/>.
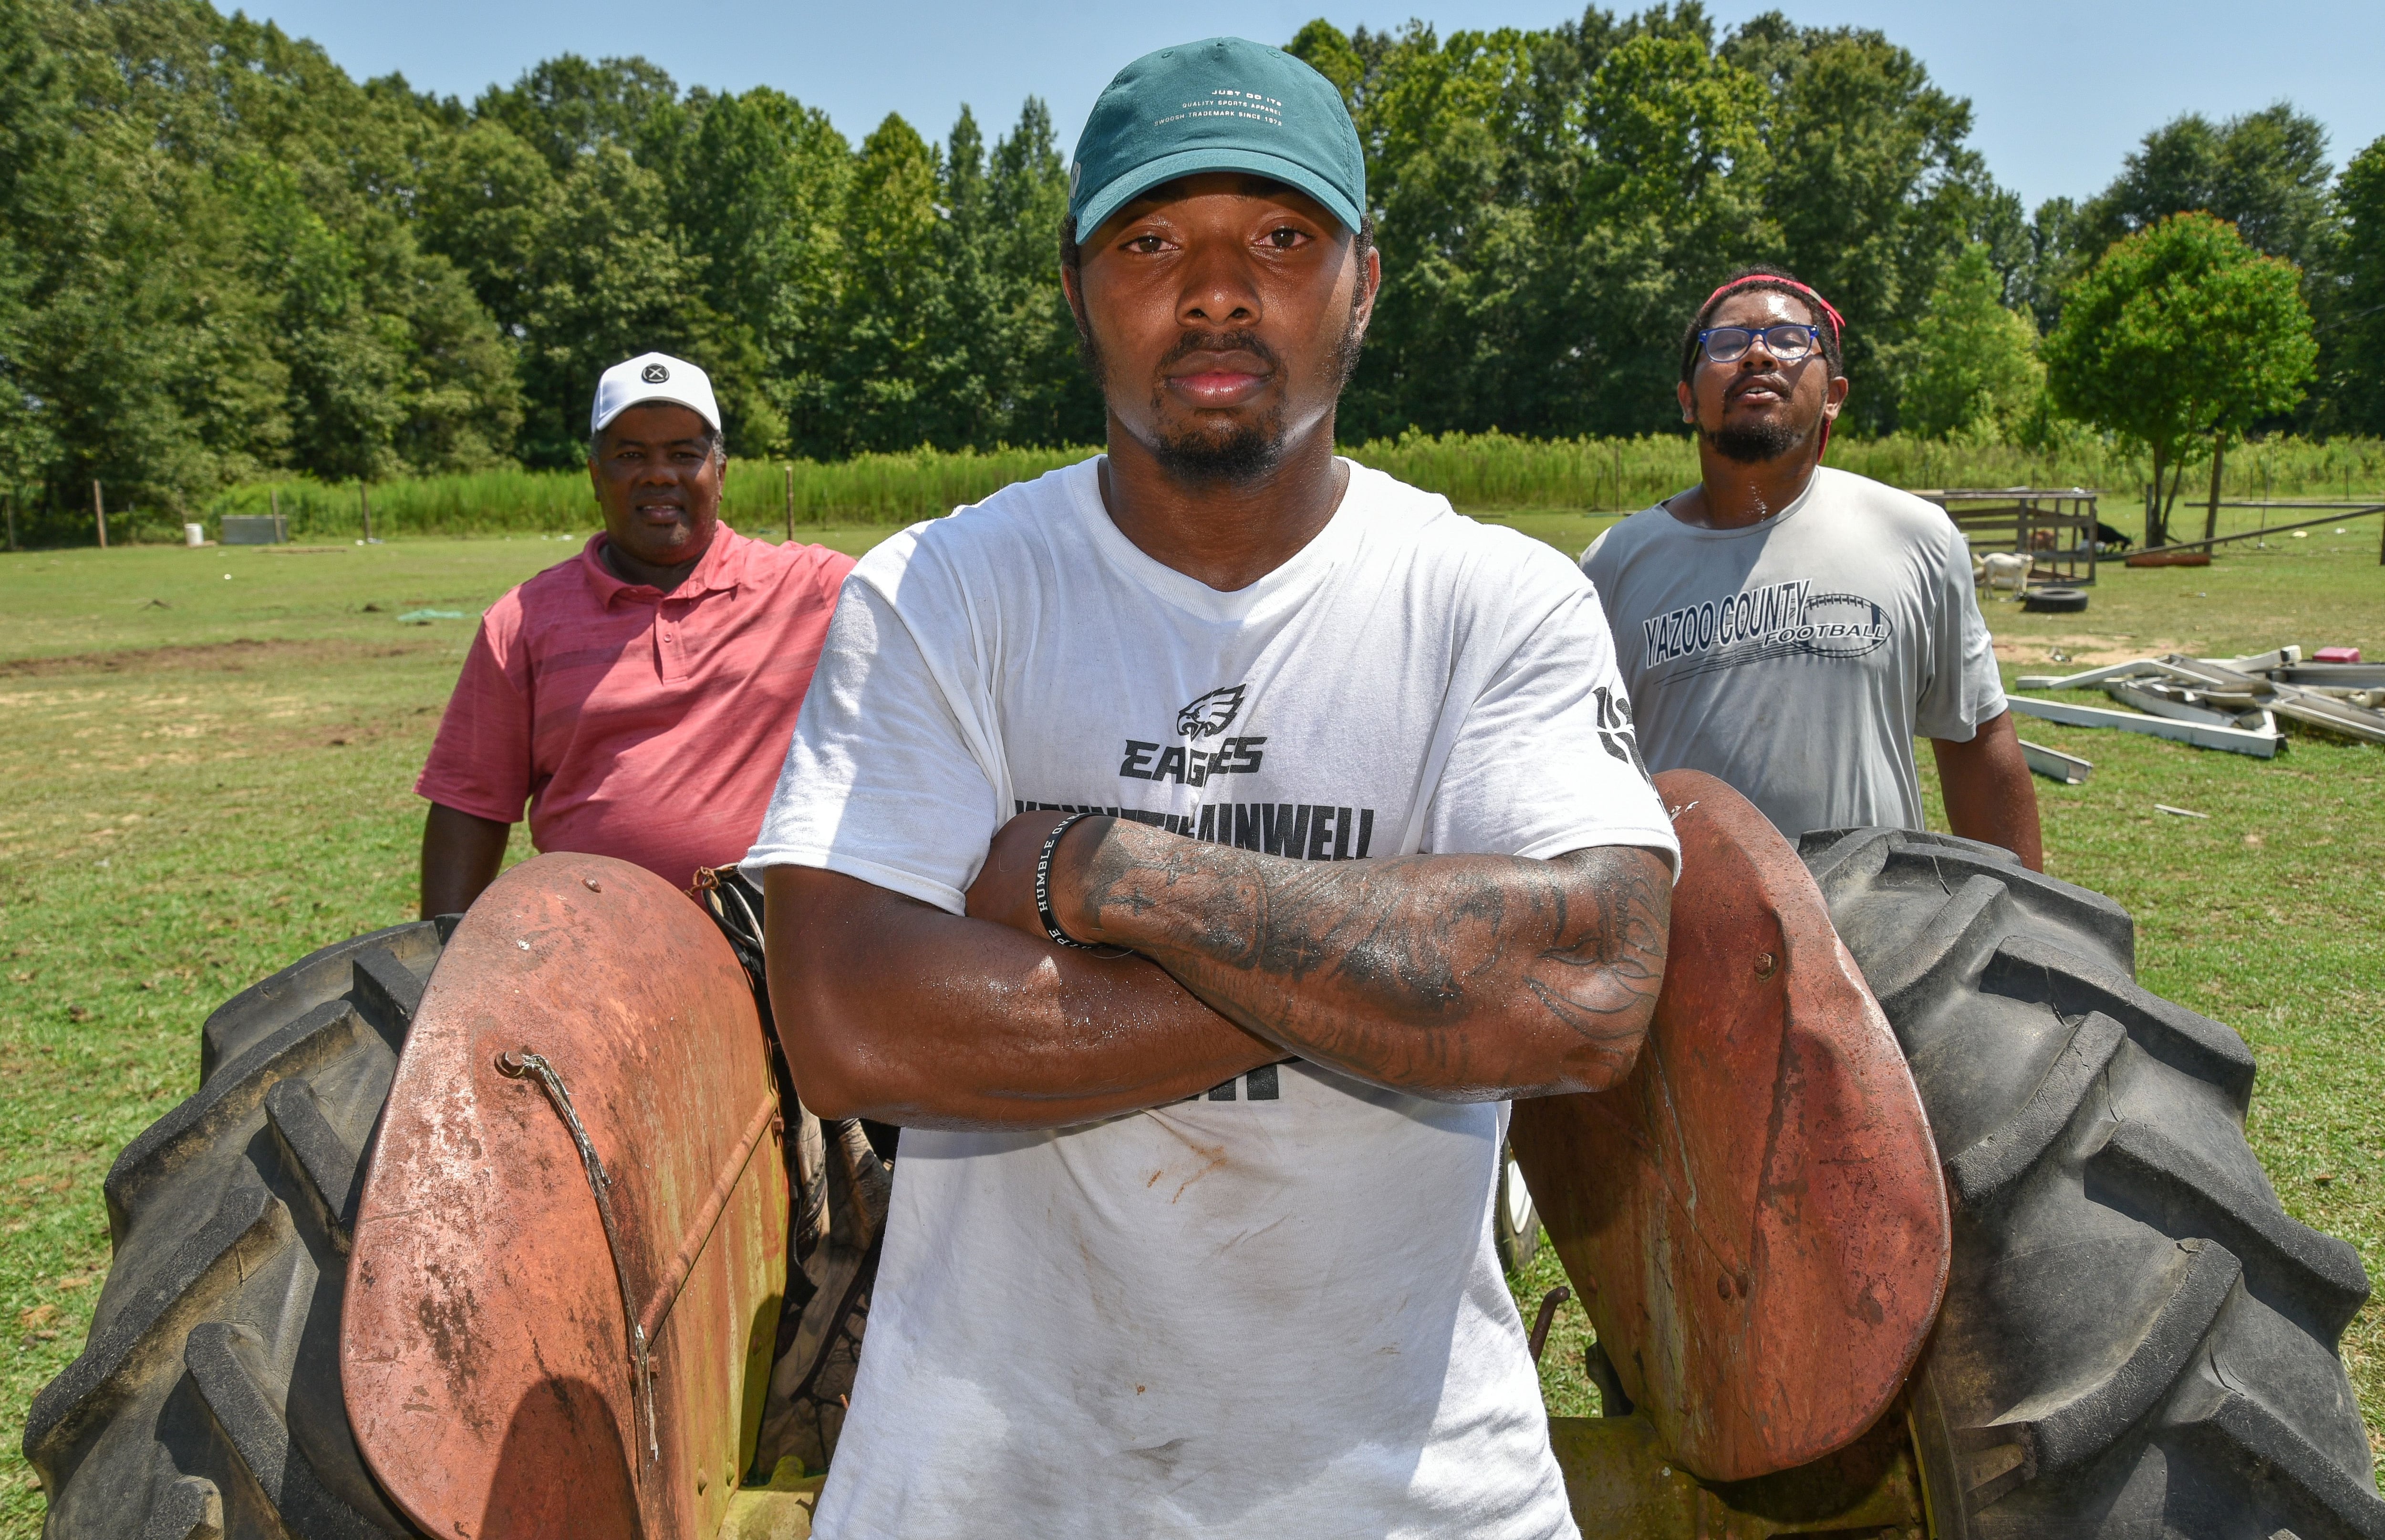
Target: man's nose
<point x="1217" y="287"/>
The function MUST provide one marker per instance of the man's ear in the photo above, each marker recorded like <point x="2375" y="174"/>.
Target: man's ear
<point x="1372" y="275"/>
<point x="1688" y="398"/>
<point x="1835" y="398"/>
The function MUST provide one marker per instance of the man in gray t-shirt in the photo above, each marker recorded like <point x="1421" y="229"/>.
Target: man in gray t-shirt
<point x="1791" y="629"/>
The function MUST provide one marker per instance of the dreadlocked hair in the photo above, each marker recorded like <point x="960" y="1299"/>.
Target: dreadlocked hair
<point x="1760" y="280"/>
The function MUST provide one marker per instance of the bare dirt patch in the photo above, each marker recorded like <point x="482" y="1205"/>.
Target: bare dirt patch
<point x="219" y="657"/>
<point x="2086" y="650"/>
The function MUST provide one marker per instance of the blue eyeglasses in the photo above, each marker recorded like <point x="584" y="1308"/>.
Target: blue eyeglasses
<point x="1788" y="343"/>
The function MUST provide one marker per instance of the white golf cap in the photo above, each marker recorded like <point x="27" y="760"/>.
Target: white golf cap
<point x="652" y="377"/>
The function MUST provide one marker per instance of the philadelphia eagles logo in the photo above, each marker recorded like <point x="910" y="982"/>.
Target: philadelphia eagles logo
<point x="1210" y="715"/>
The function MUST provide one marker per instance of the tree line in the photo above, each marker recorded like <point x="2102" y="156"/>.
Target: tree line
<point x="221" y="258"/>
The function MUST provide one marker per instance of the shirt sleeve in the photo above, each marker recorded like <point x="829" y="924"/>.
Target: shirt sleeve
<point x="885" y="780"/>
<point x="1964" y="689"/>
<point x="1545" y="760"/>
<point x="479" y="763"/>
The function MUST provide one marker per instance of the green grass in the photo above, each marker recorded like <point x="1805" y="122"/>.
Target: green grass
<point x="1478" y="472"/>
<point x="210" y="776"/>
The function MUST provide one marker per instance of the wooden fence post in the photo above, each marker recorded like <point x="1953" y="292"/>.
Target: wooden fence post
<point x="791" y="501"/>
<point x="364" y="496"/>
<point x="99" y="512"/>
<point x="12" y="521"/>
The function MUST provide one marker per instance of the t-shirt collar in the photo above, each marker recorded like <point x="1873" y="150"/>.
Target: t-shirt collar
<point x="720" y="570"/>
<point x="1762" y="527"/>
<point x="1285" y="585"/>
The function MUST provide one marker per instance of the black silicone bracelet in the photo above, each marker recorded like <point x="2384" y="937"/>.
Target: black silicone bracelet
<point x="1044" y="892"/>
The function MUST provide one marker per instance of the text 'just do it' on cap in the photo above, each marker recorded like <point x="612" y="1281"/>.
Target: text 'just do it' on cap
<point x="1225" y="103"/>
<point x="652" y="377"/>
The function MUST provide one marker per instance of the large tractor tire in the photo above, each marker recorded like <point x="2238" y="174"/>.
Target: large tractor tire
<point x="2136" y="1340"/>
<point x="207" y="1402"/>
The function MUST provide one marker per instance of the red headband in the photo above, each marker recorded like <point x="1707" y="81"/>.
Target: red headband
<point x="1838" y="324"/>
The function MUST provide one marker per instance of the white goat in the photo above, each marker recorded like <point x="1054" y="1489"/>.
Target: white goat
<point x="2002" y="569"/>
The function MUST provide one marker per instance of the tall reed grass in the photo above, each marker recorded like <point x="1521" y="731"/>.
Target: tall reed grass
<point x="1485" y="472"/>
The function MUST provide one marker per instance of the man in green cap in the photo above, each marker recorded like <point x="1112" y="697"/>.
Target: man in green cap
<point x="1194" y="849"/>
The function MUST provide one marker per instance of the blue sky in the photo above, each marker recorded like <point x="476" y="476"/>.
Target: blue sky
<point x="2061" y="89"/>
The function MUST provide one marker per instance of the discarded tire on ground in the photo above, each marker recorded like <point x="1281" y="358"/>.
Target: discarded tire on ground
<point x="2053" y="601"/>
<point x="207" y="1402"/>
<point x="2136" y="1340"/>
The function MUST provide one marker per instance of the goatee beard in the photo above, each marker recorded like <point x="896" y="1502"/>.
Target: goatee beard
<point x="1754" y="444"/>
<point x="1244" y="453"/>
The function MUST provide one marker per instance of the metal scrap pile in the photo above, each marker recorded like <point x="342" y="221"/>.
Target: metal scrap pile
<point x="2236" y="705"/>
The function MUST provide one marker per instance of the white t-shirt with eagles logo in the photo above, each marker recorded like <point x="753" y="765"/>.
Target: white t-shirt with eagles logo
<point x="1273" y="1309"/>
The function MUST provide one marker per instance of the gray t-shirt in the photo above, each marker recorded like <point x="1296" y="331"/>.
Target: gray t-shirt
<point x="1798" y="658"/>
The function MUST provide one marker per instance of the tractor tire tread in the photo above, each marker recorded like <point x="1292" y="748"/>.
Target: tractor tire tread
<point x="2025" y="967"/>
<point x="2198" y="1196"/>
<point x="322" y="1034"/>
<point x="2089" y="1423"/>
<point x="248" y="1219"/>
<point x="325" y="1164"/>
<point x="205" y="1404"/>
<point x="1985" y="1169"/>
<point x="189" y="1508"/>
<point x="2129" y="1307"/>
<point x="239" y="1397"/>
<point x="325" y="974"/>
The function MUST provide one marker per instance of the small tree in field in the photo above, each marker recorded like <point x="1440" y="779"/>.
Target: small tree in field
<point x="2179" y="333"/>
<point x="1971" y="372"/>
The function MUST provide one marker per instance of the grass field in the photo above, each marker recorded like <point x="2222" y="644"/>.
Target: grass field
<point x="212" y="752"/>
<point x="1473" y="470"/>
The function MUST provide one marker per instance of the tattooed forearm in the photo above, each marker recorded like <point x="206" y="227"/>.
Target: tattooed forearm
<point x="1458" y="976"/>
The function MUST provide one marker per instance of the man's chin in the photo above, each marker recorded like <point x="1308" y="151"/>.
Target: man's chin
<point x="1756" y="442"/>
<point x="1244" y="452"/>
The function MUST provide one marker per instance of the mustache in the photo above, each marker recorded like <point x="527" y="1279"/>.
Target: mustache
<point x="1220" y="342"/>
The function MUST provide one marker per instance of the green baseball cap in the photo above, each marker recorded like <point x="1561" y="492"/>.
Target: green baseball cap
<point x="1225" y="103"/>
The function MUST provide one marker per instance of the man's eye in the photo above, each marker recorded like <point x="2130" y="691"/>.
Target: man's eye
<point x="1283" y="238"/>
<point x="1146" y="244"/>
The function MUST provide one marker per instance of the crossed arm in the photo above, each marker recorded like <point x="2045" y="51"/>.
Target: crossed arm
<point x="1457" y="977"/>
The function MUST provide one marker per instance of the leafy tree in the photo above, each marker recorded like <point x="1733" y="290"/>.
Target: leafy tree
<point x="892" y="278"/>
<point x="567" y="107"/>
<point x="2358" y="351"/>
<point x="2265" y="172"/>
<point x="1870" y="181"/>
<point x="1971" y="370"/>
<point x="2181" y="332"/>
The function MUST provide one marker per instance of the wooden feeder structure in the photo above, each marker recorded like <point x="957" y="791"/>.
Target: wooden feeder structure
<point x="2055" y="525"/>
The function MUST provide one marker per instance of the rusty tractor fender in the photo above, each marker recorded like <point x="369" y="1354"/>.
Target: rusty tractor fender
<point x="571" y="1249"/>
<point x="1755" y="1218"/>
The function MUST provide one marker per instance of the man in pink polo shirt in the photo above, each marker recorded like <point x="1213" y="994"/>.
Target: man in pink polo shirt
<point x="639" y="697"/>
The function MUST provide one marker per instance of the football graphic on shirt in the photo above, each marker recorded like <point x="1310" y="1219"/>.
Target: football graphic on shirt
<point x="1209" y="714"/>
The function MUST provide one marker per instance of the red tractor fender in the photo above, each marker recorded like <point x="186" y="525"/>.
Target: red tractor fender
<point x="530" y="1346"/>
<point x="1754" y="1217"/>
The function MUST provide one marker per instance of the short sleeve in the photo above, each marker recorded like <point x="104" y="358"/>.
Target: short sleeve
<point x="1545" y="760"/>
<point x="883" y="781"/>
<point x="479" y="763"/>
<point x="1964" y="688"/>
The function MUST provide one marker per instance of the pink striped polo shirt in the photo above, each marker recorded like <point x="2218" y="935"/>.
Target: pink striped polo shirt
<point x="637" y="723"/>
